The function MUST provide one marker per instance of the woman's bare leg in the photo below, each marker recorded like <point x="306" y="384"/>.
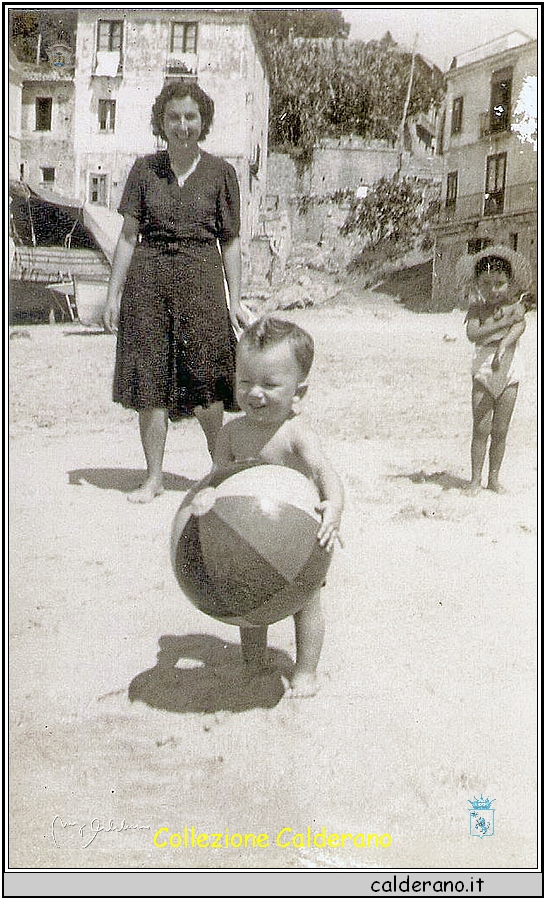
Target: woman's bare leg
<point x="153" y="434"/>
<point x="211" y="419"/>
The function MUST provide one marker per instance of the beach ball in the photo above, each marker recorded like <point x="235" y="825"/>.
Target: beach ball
<point x="244" y="544"/>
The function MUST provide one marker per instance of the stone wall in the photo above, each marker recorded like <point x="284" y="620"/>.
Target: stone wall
<point x="336" y="165"/>
<point x="312" y="217"/>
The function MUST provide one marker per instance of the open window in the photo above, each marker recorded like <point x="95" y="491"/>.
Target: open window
<point x="495" y="183"/>
<point x="43" y="113"/>
<point x="109" y="47"/>
<point x="182" y="57"/>
<point x="452" y="189"/>
<point x="501" y="96"/>
<point x="457" y="116"/>
<point x="183" y="37"/>
<point x="107" y="115"/>
<point x="48" y="175"/>
<point x="97" y="189"/>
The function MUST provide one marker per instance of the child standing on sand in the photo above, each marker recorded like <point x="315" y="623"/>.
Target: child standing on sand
<point x="274" y="358"/>
<point x="496" y="277"/>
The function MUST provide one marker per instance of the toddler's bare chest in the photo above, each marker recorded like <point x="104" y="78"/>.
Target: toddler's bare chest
<point x="273" y="450"/>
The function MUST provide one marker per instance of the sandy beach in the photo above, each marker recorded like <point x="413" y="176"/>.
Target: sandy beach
<point x="128" y="709"/>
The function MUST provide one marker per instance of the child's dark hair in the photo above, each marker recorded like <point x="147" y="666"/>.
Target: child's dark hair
<point x="493" y="264"/>
<point x="180" y="89"/>
<point x="268" y="331"/>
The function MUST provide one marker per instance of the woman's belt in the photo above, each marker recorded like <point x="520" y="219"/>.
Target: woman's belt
<point x="172" y="245"/>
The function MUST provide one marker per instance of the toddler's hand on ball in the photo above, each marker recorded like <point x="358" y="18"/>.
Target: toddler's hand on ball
<point x="329" y="527"/>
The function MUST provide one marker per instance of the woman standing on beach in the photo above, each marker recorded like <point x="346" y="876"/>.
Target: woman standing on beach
<point x="166" y="298"/>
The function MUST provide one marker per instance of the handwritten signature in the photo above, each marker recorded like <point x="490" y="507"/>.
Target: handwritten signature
<point x="88" y="831"/>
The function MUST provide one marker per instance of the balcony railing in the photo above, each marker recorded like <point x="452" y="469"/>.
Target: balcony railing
<point x="517" y="198"/>
<point x="488" y="127"/>
<point x="180" y="65"/>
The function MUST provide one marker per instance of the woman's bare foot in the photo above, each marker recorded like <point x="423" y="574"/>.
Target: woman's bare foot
<point x="473" y="488"/>
<point x="146" y="492"/>
<point x="302" y="684"/>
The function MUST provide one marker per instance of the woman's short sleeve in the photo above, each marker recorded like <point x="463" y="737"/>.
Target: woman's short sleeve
<point x="228" y="208"/>
<point x="131" y="199"/>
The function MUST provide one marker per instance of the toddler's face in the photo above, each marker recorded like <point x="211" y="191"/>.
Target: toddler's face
<point x="267" y="383"/>
<point x="494" y="286"/>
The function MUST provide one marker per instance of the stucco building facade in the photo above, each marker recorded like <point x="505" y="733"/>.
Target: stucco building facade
<point x="85" y="119"/>
<point x="489" y="189"/>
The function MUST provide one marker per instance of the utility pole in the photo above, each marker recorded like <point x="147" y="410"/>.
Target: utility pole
<point x="406" y="107"/>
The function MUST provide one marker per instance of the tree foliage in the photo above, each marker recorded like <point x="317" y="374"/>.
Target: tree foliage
<point x="285" y="23"/>
<point x="54" y="25"/>
<point x="396" y="212"/>
<point x="332" y="87"/>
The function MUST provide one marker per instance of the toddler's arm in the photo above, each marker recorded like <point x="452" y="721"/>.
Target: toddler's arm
<point x="329" y="486"/>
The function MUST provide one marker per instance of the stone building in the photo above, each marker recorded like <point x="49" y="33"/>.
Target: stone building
<point x="489" y="189"/>
<point x="47" y="123"/>
<point x="15" y="92"/>
<point x="86" y="116"/>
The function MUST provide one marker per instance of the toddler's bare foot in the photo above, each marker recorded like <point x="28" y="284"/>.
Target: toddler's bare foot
<point x="146" y="492"/>
<point x="494" y="485"/>
<point x="302" y="684"/>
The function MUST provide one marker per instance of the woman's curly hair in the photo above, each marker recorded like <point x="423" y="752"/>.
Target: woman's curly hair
<point x="180" y="89"/>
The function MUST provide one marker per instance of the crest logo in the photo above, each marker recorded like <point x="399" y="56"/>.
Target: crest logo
<point x="482" y="817"/>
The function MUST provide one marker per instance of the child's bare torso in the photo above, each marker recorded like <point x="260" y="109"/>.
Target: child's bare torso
<point x="273" y="445"/>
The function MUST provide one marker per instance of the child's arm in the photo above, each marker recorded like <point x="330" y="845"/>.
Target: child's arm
<point x="512" y="335"/>
<point x="483" y="332"/>
<point x="328" y="483"/>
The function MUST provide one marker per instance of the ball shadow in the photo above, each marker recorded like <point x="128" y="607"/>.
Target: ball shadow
<point x="125" y="480"/>
<point x="212" y="678"/>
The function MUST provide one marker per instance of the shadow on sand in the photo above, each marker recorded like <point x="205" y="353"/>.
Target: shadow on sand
<point x="125" y="480"/>
<point x="84" y="331"/>
<point x="445" y="480"/>
<point x="412" y="288"/>
<point x="212" y="677"/>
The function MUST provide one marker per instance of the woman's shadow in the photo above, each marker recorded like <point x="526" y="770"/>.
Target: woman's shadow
<point x="212" y="677"/>
<point x="125" y="480"/>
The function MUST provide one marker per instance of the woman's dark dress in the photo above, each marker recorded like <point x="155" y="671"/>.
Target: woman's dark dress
<point x="175" y="345"/>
